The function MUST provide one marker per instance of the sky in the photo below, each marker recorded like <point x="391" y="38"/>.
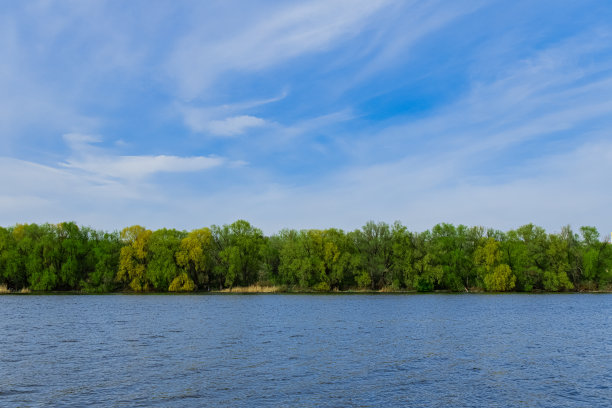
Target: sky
<point x="306" y="114"/>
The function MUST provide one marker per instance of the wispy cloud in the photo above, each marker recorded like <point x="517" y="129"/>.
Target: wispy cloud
<point x="541" y="98"/>
<point x="226" y="120"/>
<point x="90" y="182"/>
<point x="235" y="125"/>
<point x="394" y="41"/>
<point x="200" y="121"/>
<point x="139" y="167"/>
<point x="93" y="160"/>
<point x="284" y="34"/>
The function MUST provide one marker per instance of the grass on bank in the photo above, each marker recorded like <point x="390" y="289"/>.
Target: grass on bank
<point x="4" y="290"/>
<point x="255" y="289"/>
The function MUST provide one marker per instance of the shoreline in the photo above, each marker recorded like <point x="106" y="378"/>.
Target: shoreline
<point x="226" y="292"/>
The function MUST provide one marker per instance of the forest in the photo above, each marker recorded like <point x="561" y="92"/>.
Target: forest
<point x="376" y="257"/>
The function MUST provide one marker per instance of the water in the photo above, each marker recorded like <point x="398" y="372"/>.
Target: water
<point x="306" y="350"/>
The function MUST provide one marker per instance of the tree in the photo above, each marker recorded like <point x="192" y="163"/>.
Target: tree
<point x="501" y="279"/>
<point x="453" y="249"/>
<point x="38" y="250"/>
<point x="182" y="283"/>
<point x="162" y="267"/>
<point x="70" y="252"/>
<point x="294" y="264"/>
<point x="374" y="244"/>
<point x="105" y="249"/>
<point x="525" y="252"/>
<point x="555" y="276"/>
<point x="319" y="259"/>
<point x="12" y="271"/>
<point x="413" y="260"/>
<point x="596" y="259"/>
<point x="238" y="253"/>
<point x="270" y="255"/>
<point x="134" y="257"/>
<point x="496" y="276"/>
<point x="192" y="256"/>
<point x="338" y="262"/>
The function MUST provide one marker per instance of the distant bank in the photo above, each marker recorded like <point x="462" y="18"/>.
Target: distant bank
<point x="239" y="258"/>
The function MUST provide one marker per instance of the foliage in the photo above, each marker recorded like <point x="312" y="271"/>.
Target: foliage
<point x="133" y="258"/>
<point x="378" y="256"/>
<point x="182" y="283"/>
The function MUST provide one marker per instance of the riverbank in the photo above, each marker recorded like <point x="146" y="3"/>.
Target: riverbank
<point x="264" y="290"/>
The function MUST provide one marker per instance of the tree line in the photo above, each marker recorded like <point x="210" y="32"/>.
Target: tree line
<point x="378" y="256"/>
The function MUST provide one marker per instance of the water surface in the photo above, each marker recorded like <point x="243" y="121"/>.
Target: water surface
<point x="306" y="350"/>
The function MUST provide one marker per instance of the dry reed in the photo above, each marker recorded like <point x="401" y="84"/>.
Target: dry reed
<point x="254" y="289"/>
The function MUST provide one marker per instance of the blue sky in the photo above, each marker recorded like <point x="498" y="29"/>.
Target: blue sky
<point x="309" y="114"/>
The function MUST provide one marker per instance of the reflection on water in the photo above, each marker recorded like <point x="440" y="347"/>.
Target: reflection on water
<point x="306" y="350"/>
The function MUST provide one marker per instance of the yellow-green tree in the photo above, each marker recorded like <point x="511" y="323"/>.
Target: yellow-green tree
<point x="497" y="277"/>
<point x="133" y="257"/>
<point x="182" y="283"/>
<point x="192" y="258"/>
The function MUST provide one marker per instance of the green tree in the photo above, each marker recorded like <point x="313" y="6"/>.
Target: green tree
<point x="413" y="260"/>
<point x="596" y="259"/>
<point x="270" y="255"/>
<point x="525" y="253"/>
<point x="105" y="249"/>
<point x="453" y="249"/>
<point x="555" y="276"/>
<point x="315" y="258"/>
<point x="162" y="267"/>
<point x="238" y="253"/>
<point x="374" y="244"/>
<point x="294" y="264"/>
<point x="12" y="270"/>
<point x="39" y="253"/>
<point x="70" y="254"/>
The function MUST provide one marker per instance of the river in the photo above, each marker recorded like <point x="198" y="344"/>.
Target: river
<point x="306" y="350"/>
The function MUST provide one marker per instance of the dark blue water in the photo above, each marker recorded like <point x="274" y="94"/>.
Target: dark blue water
<point x="304" y="350"/>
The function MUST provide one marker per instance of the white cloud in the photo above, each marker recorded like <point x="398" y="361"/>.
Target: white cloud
<point x="97" y="161"/>
<point x="38" y="193"/>
<point x="235" y="125"/>
<point x="225" y="120"/>
<point x="273" y="38"/>
<point x="139" y="167"/>
<point x="93" y="186"/>
<point x="198" y="121"/>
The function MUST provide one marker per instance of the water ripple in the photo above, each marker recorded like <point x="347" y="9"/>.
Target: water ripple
<point x="243" y="351"/>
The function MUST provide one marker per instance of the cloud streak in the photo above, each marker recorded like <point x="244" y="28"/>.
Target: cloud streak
<point x="96" y="161"/>
<point x="292" y="31"/>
